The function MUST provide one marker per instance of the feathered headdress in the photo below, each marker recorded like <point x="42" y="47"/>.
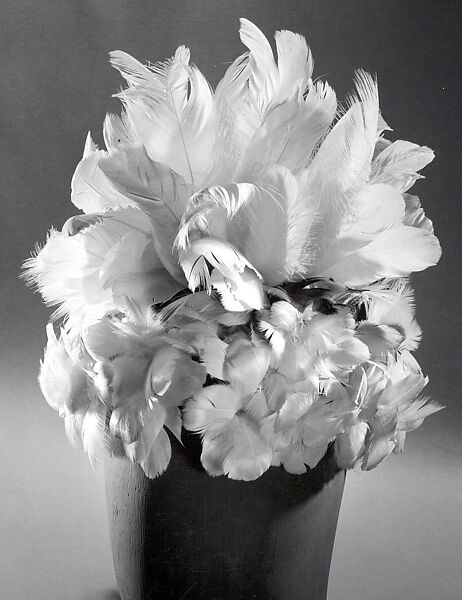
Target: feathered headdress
<point x="239" y="269"/>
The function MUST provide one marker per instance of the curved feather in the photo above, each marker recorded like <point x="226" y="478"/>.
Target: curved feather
<point x="116" y="132"/>
<point x="395" y="252"/>
<point x="211" y="408"/>
<point x="263" y="73"/>
<point x="237" y="281"/>
<point x="295" y="61"/>
<point x="252" y="102"/>
<point x="399" y="163"/>
<point x="90" y="189"/>
<point x="237" y="450"/>
<point x="157" y="190"/>
<point x="343" y="161"/>
<point x="350" y="446"/>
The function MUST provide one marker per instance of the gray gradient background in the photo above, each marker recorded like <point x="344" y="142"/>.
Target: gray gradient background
<point x="399" y="534"/>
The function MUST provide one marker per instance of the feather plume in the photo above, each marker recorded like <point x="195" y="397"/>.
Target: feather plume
<point x="211" y="408"/>
<point x="237" y="450"/>
<point x="342" y="163"/>
<point x="157" y="190"/>
<point x="151" y="449"/>
<point x="263" y="74"/>
<point x="69" y="389"/>
<point x="295" y="62"/>
<point x="349" y="446"/>
<point x="90" y="189"/>
<point x="98" y="266"/>
<point x="232" y="442"/>
<point x="170" y="108"/>
<point x="245" y="365"/>
<point x="289" y="220"/>
<point x="380" y="441"/>
<point x="245" y="213"/>
<point x="173" y="377"/>
<point x="291" y="131"/>
<point x="395" y="252"/>
<point x="252" y="94"/>
<point x="344" y="157"/>
<point x="414" y="215"/>
<point x="396" y="310"/>
<point x="93" y="429"/>
<point x="412" y="414"/>
<point x="116" y="132"/>
<point x="399" y="163"/>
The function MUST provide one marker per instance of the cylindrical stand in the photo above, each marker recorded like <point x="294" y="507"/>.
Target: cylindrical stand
<point x="192" y="536"/>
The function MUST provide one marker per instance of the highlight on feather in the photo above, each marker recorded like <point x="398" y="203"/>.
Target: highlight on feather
<point x="290" y="220"/>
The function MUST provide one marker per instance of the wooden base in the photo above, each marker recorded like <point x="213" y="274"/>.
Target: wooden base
<point x="189" y="535"/>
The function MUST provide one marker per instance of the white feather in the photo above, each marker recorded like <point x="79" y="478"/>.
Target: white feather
<point x="269" y="222"/>
<point x="254" y="89"/>
<point x="236" y="122"/>
<point x="209" y="210"/>
<point x="291" y="131"/>
<point x="237" y="450"/>
<point x="381" y="340"/>
<point x="263" y="73"/>
<point x="78" y="271"/>
<point x="396" y="310"/>
<point x="157" y="190"/>
<point x="412" y="414"/>
<point x="63" y="382"/>
<point x="395" y="252"/>
<point x="90" y="189"/>
<point x="295" y="62"/>
<point x="399" y="163"/>
<point x="134" y="72"/>
<point x="172" y="114"/>
<point x="344" y="157"/>
<point x="381" y="440"/>
<point x="211" y="408"/>
<point x="116" y="132"/>
<point x="342" y="163"/>
<point x="156" y="455"/>
<point x="93" y="426"/>
<point x="350" y="446"/>
<point x="151" y="449"/>
<point x="173" y="376"/>
<point x="238" y="282"/>
<point x="414" y="215"/>
<point x="245" y="365"/>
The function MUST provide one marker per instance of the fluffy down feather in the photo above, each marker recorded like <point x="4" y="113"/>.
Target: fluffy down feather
<point x="232" y="441"/>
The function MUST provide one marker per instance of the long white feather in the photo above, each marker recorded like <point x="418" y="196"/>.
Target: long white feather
<point x="342" y="163"/>
<point x="395" y="252"/>
<point x="173" y="114"/>
<point x="263" y="73"/>
<point x="157" y="190"/>
<point x="295" y="62"/>
<point x="269" y="222"/>
<point x="252" y="101"/>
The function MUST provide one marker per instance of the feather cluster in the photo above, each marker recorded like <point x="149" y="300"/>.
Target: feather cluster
<point x="239" y="269"/>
